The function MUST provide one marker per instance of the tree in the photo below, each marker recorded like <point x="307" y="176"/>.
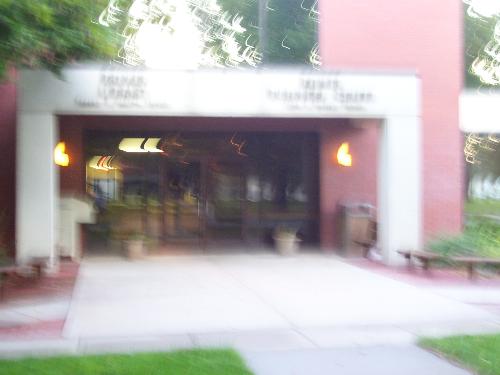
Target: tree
<point x="478" y="32"/>
<point x="49" y="34"/>
<point x="291" y="27"/>
<point x="292" y="31"/>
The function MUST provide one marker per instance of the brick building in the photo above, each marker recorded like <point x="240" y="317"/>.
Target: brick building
<point x="246" y="152"/>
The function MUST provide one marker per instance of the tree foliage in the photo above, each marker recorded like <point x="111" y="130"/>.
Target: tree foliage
<point x="478" y="32"/>
<point x="291" y="27"/>
<point x="292" y="32"/>
<point x="51" y="33"/>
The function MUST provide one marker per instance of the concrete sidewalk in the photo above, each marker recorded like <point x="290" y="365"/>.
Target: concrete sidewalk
<point x="33" y="311"/>
<point x="309" y="314"/>
<point x="309" y="297"/>
<point x="408" y="360"/>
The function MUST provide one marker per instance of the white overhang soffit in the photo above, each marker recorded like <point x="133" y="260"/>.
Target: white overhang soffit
<point x="214" y="93"/>
<point x="480" y="111"/>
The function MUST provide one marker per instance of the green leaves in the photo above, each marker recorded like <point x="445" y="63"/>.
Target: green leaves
<point x="478" y="33"/>
<point x="49" y="34"/>
<point x="291" y="29"/>
<point x="52" y="33"/>
<point x="480" y="238"/>
<point x="292" y="32"/>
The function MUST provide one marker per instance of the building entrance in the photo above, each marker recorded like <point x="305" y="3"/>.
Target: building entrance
<point x="203" y="189"/>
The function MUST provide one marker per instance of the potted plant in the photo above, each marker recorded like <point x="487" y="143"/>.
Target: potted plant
<point x="286" y="240"/>
<point x="134" y="245"/>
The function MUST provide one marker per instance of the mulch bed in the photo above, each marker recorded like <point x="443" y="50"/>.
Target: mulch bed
<point x="57" y="285"/>
<point x="19" y="289"/>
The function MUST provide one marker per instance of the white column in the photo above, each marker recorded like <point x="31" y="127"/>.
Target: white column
<point x="37" y="187"/>
<point x="399" y="187"/>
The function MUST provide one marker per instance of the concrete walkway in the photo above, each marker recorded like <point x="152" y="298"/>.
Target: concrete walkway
<point x="311" y="314"/>
<point x="373" y="361"/>
<point x="313" y="300"/>
<point x="33" y="311"/>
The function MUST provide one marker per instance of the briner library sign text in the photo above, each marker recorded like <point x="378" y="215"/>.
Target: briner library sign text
<point x="304" y="93"/>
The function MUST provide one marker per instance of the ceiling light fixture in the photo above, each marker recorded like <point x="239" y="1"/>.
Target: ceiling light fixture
<point x="140" y="145"/>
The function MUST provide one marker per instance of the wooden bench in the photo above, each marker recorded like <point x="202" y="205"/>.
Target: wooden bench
<point x="424" y="257"/>
<point x="471" y="263"/>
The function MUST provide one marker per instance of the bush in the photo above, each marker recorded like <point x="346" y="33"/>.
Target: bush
<point x="481" y="237"/>
<point x="463" y="244"/>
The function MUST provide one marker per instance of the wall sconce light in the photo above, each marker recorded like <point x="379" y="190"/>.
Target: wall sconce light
<point x="61" y="158"/>
<point x="344" y="158"/>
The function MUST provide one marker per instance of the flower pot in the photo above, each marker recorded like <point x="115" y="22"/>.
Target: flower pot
<point x="286" y="244"/>
<point x="134" y="249"/>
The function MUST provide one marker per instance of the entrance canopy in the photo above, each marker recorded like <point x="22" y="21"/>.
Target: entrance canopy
<point x="256" y="93"/>
<point x="480" y="112"/>
<point x="93" y="90"/>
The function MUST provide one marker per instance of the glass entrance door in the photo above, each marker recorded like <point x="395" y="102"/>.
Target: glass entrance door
<point x="182" y="202"/>
<point x="206" y="188"/>
<point x="225" y="202"/>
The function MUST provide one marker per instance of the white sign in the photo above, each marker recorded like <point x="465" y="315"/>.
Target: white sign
<point x="250" y="93"/>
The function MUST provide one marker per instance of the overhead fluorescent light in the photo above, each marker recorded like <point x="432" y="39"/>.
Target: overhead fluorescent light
<point x="102" y="163"/>
<point x="140" y="145"/>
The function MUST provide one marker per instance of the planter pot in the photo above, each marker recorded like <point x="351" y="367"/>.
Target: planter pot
<point x="286" y="245"/>
<point x="134" y="249"/>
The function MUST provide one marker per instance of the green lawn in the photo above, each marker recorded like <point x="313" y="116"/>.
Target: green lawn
<point x="189" y="362"/>
<point x="482" y="207"/>
<point x="478" y="353"/>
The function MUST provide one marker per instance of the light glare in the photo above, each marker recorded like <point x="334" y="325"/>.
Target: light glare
<point x="344" y="158"/>
<point x="60" y="156"/>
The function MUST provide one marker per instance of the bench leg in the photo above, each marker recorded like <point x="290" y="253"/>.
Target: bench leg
<point x="471" y="271"/>
<point x="426" y="264"/>
<point x="409" y="264"/>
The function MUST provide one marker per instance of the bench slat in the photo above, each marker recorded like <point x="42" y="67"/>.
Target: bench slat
<point x="476" y="260"/>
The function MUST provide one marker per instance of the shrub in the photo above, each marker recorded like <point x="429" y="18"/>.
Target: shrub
<point x="481" y="237"/>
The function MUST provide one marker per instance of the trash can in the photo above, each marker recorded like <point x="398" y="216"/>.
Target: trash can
<point x="356" y="228"/>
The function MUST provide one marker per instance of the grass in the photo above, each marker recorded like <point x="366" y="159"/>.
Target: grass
<point x="480" y="354"/>
<point x="481" y="237"/>
<point x="188" y="362"/>
<point x="482" y="207"/>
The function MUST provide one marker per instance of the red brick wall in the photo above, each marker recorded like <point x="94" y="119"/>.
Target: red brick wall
<point x="424" y="36"/>
<point x="72" y="177"/>
<point x="8" y="159"/>
<point x="340" y="184"/>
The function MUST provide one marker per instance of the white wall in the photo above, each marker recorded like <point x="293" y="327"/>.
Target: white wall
<point x="399" y="187"/>
<point x="37" y="187"/>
